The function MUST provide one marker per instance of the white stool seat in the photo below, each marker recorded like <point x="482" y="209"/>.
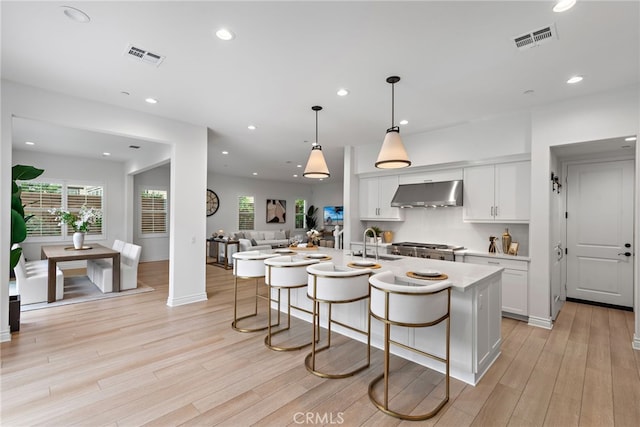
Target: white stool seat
<point x="332" y="285"/>
<point x="32" y="281"/>
<point x="248" y="265"/>
<point x="285" y="272"/>
<point x="414" y="307"/>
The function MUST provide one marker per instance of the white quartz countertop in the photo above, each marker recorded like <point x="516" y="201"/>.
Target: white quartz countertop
<point x="461" y="275"/>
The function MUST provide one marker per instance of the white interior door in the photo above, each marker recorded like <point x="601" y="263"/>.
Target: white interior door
<point x="600" y="232"/>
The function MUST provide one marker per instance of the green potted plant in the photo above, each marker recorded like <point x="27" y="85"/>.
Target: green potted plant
<point x="18" y="220"/>
<point x="310" y="218"/>
<point x="376" y="229"/>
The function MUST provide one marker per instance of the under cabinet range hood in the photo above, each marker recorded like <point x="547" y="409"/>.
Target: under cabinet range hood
<point x="428" y="195"/>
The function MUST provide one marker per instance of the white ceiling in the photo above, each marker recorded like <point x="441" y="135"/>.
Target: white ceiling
<point x="457" y="61"/>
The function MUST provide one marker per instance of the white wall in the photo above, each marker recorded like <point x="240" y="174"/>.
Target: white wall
<point x="445" y="226"/>
<point x="602" y="116"/>
<point x="188" y="174"/>
<point x="229" y="188"/>
<point x="80" y="170"/>
<point x="153" y="248"/>
<point x="498" y="136"/>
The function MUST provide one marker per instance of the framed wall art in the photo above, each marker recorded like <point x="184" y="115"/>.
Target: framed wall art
<point x="276" y="211"/>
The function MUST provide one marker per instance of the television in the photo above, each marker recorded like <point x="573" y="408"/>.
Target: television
<point x="333" y="215"/>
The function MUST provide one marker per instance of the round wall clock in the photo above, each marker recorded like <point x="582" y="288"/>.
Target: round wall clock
<point x="213" y="203"/>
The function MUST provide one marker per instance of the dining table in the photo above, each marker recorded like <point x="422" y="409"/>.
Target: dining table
<point x="59" y="253"/>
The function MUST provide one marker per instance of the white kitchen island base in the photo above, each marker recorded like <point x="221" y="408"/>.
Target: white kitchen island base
<point x="476" y="307"/>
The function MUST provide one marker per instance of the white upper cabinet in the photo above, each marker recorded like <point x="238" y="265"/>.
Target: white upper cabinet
<point x="497" y="193"/>
<point x="375" y="199"/>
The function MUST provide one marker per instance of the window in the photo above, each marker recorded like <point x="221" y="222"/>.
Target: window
<point x="153" y="212"/>
<point x="299" y="219"/>
<point x="39" y="197"/>
<point x="246" y="213"/>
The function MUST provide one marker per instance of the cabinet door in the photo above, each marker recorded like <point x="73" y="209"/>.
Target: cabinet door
<point x="512" y="192"/>
<point x="514" y="291"/>
<point x="478" y="197"/>
<point x="387" y="187"/>
<point x="369" y="198"/>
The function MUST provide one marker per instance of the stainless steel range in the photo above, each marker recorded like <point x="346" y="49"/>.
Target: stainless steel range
<point x="425" y="250"/>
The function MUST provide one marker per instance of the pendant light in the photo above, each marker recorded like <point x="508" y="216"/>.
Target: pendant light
<point x="316" y="166"/>
<point x="392" y="154"/>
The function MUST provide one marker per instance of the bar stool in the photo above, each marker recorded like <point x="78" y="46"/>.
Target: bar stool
<point x="248" y="265"/>
<point x="414" y="307"/>
<point x="331" y="285"/>
<point x="285" y="272"/>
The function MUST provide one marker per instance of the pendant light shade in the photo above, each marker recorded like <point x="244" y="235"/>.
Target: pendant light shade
<point x="316" y="165"/>
<point x="392" y="154"/>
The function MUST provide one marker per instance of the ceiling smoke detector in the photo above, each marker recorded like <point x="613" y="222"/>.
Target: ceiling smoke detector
<point x="536" y="37"/>
<point x="144" y="55"/>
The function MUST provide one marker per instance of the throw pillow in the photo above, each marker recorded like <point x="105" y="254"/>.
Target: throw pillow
<point x="279" y="235"/>
<point x="239" y="235"/>
<point x="253" y="242"/>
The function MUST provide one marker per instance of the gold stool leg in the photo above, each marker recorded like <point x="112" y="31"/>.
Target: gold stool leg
<point x="310" y="359"/>
<point x="270" y="334"/>
<point x="237" y="319"/>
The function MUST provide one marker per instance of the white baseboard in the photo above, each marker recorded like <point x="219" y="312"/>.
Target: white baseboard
<point x="187" y="300"/>
<point x="5" y="335"/>
<point x="540" y="322"/>
<point x="636" y="342"/>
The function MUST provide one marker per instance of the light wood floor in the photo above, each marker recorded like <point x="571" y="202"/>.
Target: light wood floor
<point x="133" y="360"/>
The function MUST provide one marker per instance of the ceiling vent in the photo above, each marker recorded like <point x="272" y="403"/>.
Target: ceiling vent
<point x="536" y="37"/>
<point x="144" y="55"/>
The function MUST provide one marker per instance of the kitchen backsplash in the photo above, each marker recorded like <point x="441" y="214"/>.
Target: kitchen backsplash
<point x="445" y="225"/>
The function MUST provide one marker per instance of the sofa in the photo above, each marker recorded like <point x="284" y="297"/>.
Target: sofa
<point x="251" y="239"/>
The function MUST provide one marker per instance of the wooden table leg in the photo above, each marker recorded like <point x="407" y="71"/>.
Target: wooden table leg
<point x="116" y="272"/>
<point x="51" y="281"/>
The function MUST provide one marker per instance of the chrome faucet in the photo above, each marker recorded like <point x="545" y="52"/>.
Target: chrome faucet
<point x="375" y="239"/>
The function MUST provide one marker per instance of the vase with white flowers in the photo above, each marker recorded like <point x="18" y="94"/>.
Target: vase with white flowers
<point x="313" y="236"/>
<point x="80" y="222"/>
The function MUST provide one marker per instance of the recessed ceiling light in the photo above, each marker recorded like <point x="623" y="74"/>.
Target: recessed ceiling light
<point x="255" y="173"/>
<point x="224" y="34"/>
<point x="631" y="138"/>
<point x="295" y="175"/>
<point x="251" y="127"/>
<point x="151" y="101"/>
<point x="298" y="166"/>
<point x="106" y="154"/>
<point x="404" y="122"/>
<point x="574" y="79"/>
<point x="343" y="92"/>
<point x="563" y="5"/>
<point x="76" y="14"/>
<point x="225" y="152"/>
<point x="30" y="143"/>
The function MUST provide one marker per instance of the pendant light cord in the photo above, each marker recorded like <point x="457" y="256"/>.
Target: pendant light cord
<point x="393" y="102"/>
<point x="316" y="127"/>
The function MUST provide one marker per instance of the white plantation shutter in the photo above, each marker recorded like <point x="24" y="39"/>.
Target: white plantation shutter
<point x="91" y="197"/>
<point x="37" y="199"/>
<point x="153" y="211"/>
<point x="246" y="213"/>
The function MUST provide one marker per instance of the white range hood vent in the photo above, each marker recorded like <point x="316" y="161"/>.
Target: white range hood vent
<point x="144" y="55"/>
<point x="536" y="37"/>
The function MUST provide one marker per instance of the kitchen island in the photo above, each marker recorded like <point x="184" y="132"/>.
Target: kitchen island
<point x="475" y="313"/>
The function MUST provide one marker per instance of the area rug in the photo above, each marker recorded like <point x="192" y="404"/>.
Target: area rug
<point x="79" y="289"/>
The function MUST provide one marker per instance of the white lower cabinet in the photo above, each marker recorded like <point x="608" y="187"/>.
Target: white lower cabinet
<point x="515" y="282"/>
